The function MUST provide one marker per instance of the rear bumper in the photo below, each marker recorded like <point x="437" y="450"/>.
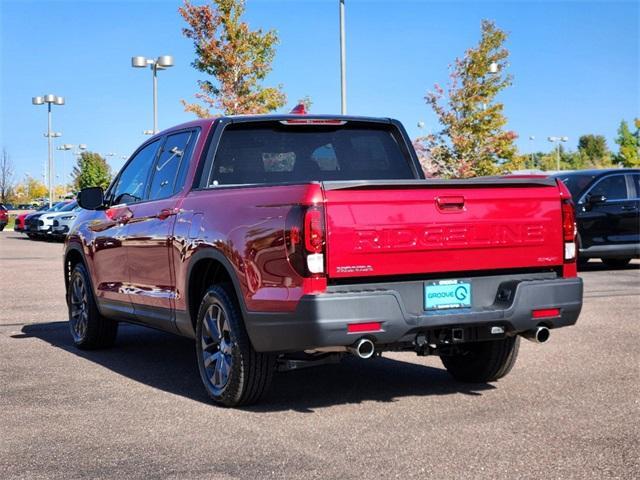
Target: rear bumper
<point x="321" y="320"/>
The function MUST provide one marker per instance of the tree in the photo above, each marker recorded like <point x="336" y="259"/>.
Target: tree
<point x="237" y="58"/>
<point x="473" y="140"/>
<point x="92" y="170"/>
<point x="6" y="176"/>
<point x="628" y="154"/>
<point x="593" y="151"/>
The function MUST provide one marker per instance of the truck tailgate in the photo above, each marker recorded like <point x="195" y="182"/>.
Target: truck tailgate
<point x="379" y="228"/>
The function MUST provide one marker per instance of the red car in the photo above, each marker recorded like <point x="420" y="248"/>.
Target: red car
<point x="19" y="225"/>
<point x="276" y="240"/>
<point x="4" y="217"/>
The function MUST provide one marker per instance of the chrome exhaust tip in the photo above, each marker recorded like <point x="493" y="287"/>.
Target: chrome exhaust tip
<point x="537" y="335"/>
<point x="363" y="348"/>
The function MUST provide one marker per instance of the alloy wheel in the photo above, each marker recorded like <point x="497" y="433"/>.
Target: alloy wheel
<point x="79" y="305"/>
<point x="217" y="347"/>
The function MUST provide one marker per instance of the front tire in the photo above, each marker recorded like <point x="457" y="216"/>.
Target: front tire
<point x="232" y="372"/>
<point x="89" y="329"/>
<point x="616" y="262"/>
<point x="483" y="361"/>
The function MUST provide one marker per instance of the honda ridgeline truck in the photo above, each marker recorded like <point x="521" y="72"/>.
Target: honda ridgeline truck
<point x="279" y="240"/>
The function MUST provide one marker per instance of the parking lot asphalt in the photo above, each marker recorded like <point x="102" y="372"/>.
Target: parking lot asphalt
<point x="569" y="409"/>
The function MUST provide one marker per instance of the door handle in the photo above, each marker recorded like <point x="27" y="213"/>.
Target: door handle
<point x="167" y="212"/>
<point x="629" y="207"/>
<point x="450" y="203"/>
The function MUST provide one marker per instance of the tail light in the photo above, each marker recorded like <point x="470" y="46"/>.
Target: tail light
<point x="569" y="230"/>
<point x="305" y="240"/>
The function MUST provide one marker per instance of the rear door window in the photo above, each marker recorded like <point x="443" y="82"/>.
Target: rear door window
<point x="169" y="170"/>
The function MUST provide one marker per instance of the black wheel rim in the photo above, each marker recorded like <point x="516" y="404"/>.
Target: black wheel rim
<point x="217" y="348"/>
<point x="79" y="308"/>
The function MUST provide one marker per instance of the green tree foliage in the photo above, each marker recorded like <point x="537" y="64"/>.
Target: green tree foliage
<point x="92" y="170"/>
<point x="629" y="143"/>
<point x="237" y="58"/>
<point x="593" y="152"/>
<point x="473" y="140"/>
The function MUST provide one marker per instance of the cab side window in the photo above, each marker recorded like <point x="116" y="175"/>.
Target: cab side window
<point x="612" y="188"/>
<point x="168" y="172"/>
<point x="132" y="182"/>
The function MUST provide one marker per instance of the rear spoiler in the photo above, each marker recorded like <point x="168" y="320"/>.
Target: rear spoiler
<point x="461" y="183"/>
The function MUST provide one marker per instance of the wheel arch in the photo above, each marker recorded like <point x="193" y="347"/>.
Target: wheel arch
<point x="208" y="267"/>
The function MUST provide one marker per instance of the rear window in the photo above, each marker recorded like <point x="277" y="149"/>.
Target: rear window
<point x="576" y="183"/>
<point x="275" y="153"/>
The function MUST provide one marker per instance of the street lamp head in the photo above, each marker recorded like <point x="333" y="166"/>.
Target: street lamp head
<point x="531" y="137"/>
<point x="564" y="139"/>
<point x="148" y="132"/>
<point x="37" y="100"/>
<point x="138" y="62"/>
<point x="165" y="61"/>
<point x="493" y="67"/>
<point x="59" y="101"/>
<point x="82" y="146"/>
<point x="49" y="98"/>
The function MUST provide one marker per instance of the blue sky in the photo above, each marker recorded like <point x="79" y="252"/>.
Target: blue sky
<point x="576" y="65"/>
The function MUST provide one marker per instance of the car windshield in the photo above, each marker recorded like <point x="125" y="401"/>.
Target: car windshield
<point x="576" y="183"/>
<point x="69" y="207"/>
<point x="59" y="206"/>
<point x="270" y="152"/>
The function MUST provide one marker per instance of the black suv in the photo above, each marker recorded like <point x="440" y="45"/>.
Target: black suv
<point x="607" y="212"/>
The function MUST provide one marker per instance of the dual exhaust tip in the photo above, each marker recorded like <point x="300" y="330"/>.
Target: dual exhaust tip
<point x="364" y="348"/>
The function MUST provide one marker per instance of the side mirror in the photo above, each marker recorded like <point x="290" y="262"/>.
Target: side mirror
<point x="91" y="198"/>
<point x="596" y="199"/>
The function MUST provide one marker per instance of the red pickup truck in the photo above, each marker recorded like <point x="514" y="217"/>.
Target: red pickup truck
<point x="280" y="241"/>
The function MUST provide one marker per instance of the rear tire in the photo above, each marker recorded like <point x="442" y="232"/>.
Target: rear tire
<point x="616" y="262"/>
<point x="1" y="227"/>
<point x="483" y="361"/>
<point x="232" y="372"/>
<point x="88" y="328"/>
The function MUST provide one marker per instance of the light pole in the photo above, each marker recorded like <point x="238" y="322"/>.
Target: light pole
<point x="533" y="163"/>
<point x="49" y="99"/>
<point x="557" y="141"/>
<point x="160" y="63"/>
<point x="343" y="63"/>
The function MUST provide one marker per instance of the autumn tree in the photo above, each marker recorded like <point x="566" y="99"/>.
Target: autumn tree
<point x="6" y="176"/>
<point x="237" y="58"/>
<point x="92" y="170"/>
<point x="473" y="140"/>
<point x="629" y="143"/>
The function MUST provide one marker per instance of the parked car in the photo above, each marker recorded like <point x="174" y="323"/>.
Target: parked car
<point x="607" y="213"/>
<point x="19" y="225"/>
<point x="32" y="220"/>
<point x="4" y="216"/>
<point x="277" y="241"/>
<point x="46" y="220"/>
<point x="63" y="220"/>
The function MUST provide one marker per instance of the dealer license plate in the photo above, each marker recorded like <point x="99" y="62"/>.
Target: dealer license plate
<point x="447" y="294"/>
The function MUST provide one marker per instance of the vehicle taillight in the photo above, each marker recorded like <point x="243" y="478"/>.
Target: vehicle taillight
<point x="305" y="240"/>
<point x="569" y="230"/>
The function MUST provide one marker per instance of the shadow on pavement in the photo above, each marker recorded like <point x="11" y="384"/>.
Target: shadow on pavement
<point x="167" y="362"/>
<point x="597" y="266"/>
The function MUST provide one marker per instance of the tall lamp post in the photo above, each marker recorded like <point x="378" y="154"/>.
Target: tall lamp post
<point x="343" y="63"/>
<point x="49" y="99"/>
<point x="531" y="139"/>
<point x="557" y="141"/>
<point x="160" y="63"/>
